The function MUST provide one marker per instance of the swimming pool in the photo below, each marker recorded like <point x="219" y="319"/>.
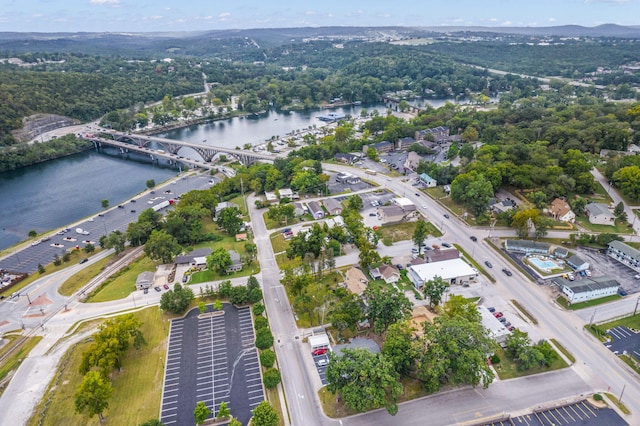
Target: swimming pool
<point x="544" y="265"/>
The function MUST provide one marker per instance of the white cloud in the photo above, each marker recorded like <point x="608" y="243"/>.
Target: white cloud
<point x="552" y="19"/>
<point x="224" y="15"/>
<point x="108" y="2"/>
<point x="507" y="23"/>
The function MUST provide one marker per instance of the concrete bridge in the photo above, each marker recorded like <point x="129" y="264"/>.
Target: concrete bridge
<point x="171" y="147"/>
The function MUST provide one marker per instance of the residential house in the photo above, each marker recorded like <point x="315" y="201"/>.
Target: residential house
<point x="193" y="257"/>
<point x="404" y="143"/>
<point x="288" y="193"/>
<point x="356" y="281"/>
<point x="502" y="206"/>
<point x="587" y="288"/>
<point x="428" y="180"/>
<point x="144" y="280"/>
<point x="624" y="254"/>
<point x="375" y="274"/>
<point x="333" y="206"/>
<point x="561" y="252"/>
<point x="391" y="214"/>
<point x="236" y="262"/>
<point x="440" y="134"/>
<point x="600" y="214"/>
<point x="560" y="210"/>
<point x="577" y="263"/>
<point x="380" y="147"/>
<point x="315" y="209"/>
<point x="390" y="274"/>
<point x="270" y="197"/>
<point x="526" y="246"/>
<point x="299" y="209"/>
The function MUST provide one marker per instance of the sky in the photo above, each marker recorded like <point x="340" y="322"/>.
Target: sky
<point x="199" y="15"/>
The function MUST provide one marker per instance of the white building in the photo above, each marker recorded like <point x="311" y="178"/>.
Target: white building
<point x="624" y="254"/>
<point x="497" y="330"/>
<point x="454" y="271"/>
<point x="600" y="214"/>
<point x="403" y="202"/>
<point x="587" y="288"/>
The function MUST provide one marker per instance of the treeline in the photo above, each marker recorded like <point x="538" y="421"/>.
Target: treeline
<point x="15" y="157"/>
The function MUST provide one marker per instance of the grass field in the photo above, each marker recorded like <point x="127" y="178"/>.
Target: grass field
<point x="508" y="369"/>
<point x="136" y="389"/>
<point x="123" y="283"/>
<point x="75" y="282"/>
<point x="562" y="301"/>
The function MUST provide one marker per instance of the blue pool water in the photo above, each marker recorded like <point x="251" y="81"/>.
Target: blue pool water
<point x="542" y="264"/>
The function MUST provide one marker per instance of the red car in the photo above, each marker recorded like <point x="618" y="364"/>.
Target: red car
<point x="319" y="351"/>
<point x="166" y="286"/>
<point x="498" y="314"/>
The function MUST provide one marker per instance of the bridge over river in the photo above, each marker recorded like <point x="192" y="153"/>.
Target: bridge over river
<point x="139" y="143"/>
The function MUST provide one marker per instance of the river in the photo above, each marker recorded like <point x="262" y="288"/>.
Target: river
<point x="58" y="192"/>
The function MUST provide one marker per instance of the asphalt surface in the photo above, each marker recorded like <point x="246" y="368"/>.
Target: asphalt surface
<point x="581" y="413"/>
<point x="27" y="258"/>
<point x="624" y="341"/>
<point x="211" y="359"/>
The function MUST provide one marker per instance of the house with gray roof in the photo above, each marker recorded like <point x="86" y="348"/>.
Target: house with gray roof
<point x="333" y="206"/>
<point x="236" y="262"/>
<point x="624" y="254"/>
<point x="577" y="263"/>
<point x="587" y="288"/>
<point x="526" y="246"/>
<point x="315" y="209"/>
<point x="600" y="214"/>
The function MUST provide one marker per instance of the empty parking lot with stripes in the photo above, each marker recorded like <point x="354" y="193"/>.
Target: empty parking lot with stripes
<point x="211" y="358"/>
<point x="581" y="413"/>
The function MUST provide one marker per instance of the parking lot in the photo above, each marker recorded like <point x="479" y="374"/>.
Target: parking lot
<point x="207" y="357"/>
<point x="321" y="362"/>
<point x="581" y="413"/>
<point x="624" y="340"/>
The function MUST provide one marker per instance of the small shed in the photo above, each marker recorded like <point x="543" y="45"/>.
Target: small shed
<point x="318" y="341"/>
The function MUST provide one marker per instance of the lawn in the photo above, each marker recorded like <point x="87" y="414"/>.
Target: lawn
<point x="136" y="389"/>
<point x="123" y="283"/>
<point x="562" y="301"/>
<point x="81" y="278"/>
<point x="618" y="228"/>
<point x="390" y="234"/>
<point x="207" y="275"/>
<point x="278" y="242"/>
<point x="508" y="369"/>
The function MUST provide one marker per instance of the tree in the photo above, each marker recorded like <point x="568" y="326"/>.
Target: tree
<point x="150" y="183"/>
<point x="454" y="352"/>
<point x="271" y="378"/>
<point x="264" y="338"/>
<point x="399" y="348"/>
<point x="152" y="422"/>
<point x="420" y="234"/>
<point x="459" y="306"/>
<point x="474" y="190"/>
<point x="230" y="219"/>
<point x="386" y="306"/>
<point x="347" y="311"/>
<point x="202" y="307"/>
<point x="201" y="412"/>
<point x="264" y="415"/>
<point x="434" y="289"/>
<point x="176" y="301"/>
<point x="234" y="422"/>
<point x="161" y="246"/>
<point x="219" y="260"/>
<point x="364" y="380"/>
<point x="255" y="295"/>
<point x="105" y="203"/>
<point x="89" y="248"/>
<point x="223" y="411"/>
<point x="267" y="358"/>
<point x="355" y="203"/>
<point x="239" y="295"/>
<point x="92" y="395"/>
<point x="116" y="240"/>
<point x="32" y="233"/>
<point x="523" y="219"/>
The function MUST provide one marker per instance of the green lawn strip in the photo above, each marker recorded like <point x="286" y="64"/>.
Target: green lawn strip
<point x="123" y="283"/>
<point x="618" y="228"/>
<point x="284" y="262"/>
<point x="278" y="242"/>
<point x="274" y="400"/>
<point x="562" y="301"/>
<point x="74" y="257"/>
<point x="564" y="350"/>
<point x="21" y="349"/>
<point x="508" y="368"/>
<point x="82" y="277"/>
<point x="136" y="389"/>
<point x="632" y="322"/>
<point x="524" y="311"/>
<point x="631" y="362"/>
<point x="617" y="403"/>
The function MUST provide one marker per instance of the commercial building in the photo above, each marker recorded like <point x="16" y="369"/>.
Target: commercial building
<point x="345" y="177"/>
<point x="428" y="180"/>
<point x="587" y="288"/>
<point x="497" y="330"/>
<point x="577" y="263"/>
<point x="454" y="271"/>
<point x="144" y="280"/>
<point x="404" y="203"/>
<point x="624" y="254"/>
<point x="526" y="246"/>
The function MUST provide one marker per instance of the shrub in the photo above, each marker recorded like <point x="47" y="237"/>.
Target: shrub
<point x="261" y="322"/>
<point x="495" y="359"/>
<point x="264" y="338"/>
<point x="271" y="378"/>
<point x="597" y="397"/>
<point x="255" y="295"/>
<point x="267" y="358"/>
<point x="258" y="309"/>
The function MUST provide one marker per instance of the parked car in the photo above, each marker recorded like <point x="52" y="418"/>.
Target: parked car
<point x="146" y="290"/>
<point x="133" y="210"/>
<point x="498" y="314"/>
<point x="323" y="362"/>
<point x="511" y="328"/>
<point x="447" y="245"/>
<point x="156" y="288"/>
<point x="489" y="265"/>
<point x="507" y="272"/>
<point x="372" y="214"/>
<point x="400" y="267"/>
<point x="166" y="286"/>
<point x="491" y="309"/>
<point x="319" y="351"/>
<point x="473" y="238"/>
<point x="502" y="320"/>
<point x="587" y="273"/>
<point x="507" y="324"/>
<point x="622" y="293"/>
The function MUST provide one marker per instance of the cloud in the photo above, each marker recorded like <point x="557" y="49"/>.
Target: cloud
<point x="224" y="15"/>
<point x="107" y="2"/>
<point x="552" y="19"/>
<point x="507" y="23"/>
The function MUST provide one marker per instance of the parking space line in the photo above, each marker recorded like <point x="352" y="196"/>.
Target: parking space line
<point x="568" y="414"/>
<point x="559" y="413"/>
<point x="589" y="410"/>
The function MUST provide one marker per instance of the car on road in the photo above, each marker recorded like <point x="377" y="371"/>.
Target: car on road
<point x="424" y="206"/>
<point x="61" y="232"/>
<point x="133" y="210"/>
<point x="133" y="201"/>
<point x="507" y="272"/>
<point x="446" y="216"/>
<point x="146" y="290"/>
<point x="121" y="206"/>
<point x="498" y="314"/>
<point x="319" y="351"/>
<point x="85" y="260"/>
<point x="157" y="288"/>
<point x="473" y="238"/>
<point x="372" y="214"/>
<point x="489" y="265"/>
<point x="416" y="194"/>
<point x="166" y="286"/>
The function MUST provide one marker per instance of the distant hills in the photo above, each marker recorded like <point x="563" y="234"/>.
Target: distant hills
<point x="195" y="42"/>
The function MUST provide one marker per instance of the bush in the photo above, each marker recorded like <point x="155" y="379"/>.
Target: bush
<point x="267" y="358"/>
<point x="255" y="295"/>
<point x="261" y="322"/>
<point x="258" y="309"/>
<point x="495" y="359"/>
<point x="597" y="397"/>
<point x="239" y="295"/>
<point x="264" y="338"/>
<point x="271" y="378"/>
